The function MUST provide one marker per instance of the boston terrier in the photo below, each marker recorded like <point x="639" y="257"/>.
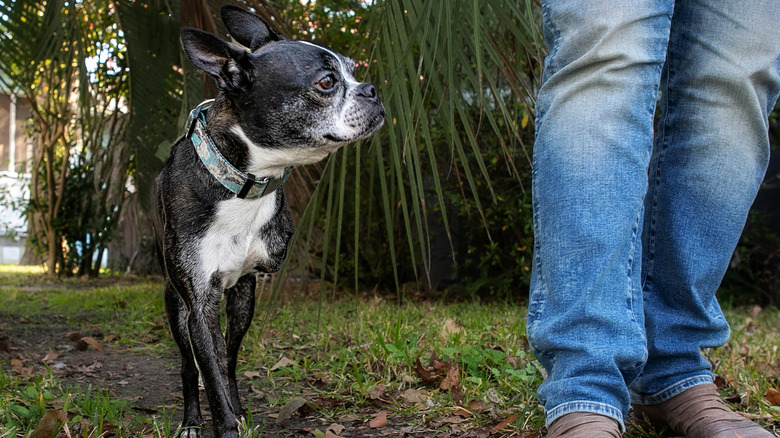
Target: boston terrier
<point x="220" y="211"/>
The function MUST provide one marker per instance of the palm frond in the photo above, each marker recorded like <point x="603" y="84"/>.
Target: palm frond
<point x="457" y="79"/>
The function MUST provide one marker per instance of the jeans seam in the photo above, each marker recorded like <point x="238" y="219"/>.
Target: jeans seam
<point x="554" y="44"/>
<point x="534" y="298"/>
<point x="656" y="181"/>
<point x="631" y="292"/>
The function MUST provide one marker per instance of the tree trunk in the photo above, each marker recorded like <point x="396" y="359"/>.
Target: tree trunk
<point x="134" y="248"/>
<point x="31" y="254"/>
<point x="51" y="243"/>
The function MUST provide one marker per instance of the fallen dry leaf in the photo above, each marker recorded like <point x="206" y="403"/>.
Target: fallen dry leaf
<point x="349" y="418"/>
<point x="509" y="420"/>
<point x="329" y="434"/>
<point x="321" y="376"/>
<point x="424" y="374"/>
<point x="450" y="327"/>
<point x="457" y="394"/>
<point x="412" y="396"/>
<point x="452" y="383"/>
<point x="438" y="422"/>
<point x="451" y="380"/>
<point x="763" y="367"/>
<point x="512" y="360"/>
<point x="19" y="368"/>
<point x="336" y="428"/>
<point x="93" y="343"/>
<point x="493" y="396"/>
<point x="50" y="356"/>
<point x="87" y="342"/>
<point x="5" y="342"/>
<point x="50" y="424"/>
<point x="283" y="362"/>
<point x="252" y="375"/>
<point x="476" y="406"/>
<point x="378" y="392"/>
<point x="460" y="411"/>
<point x="380" y="420"/>
<point x="438" y="365"/>
<point x="773" y="396"/>
<point x="86" y="369"/>
<point x="290" y="408"/>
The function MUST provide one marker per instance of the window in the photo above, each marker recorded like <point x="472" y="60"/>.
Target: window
<point x="15" y="148"/>
<point x="5" y="132"/>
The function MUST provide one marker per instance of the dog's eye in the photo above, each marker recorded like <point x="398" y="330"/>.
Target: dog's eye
<point x="327" y="83"/>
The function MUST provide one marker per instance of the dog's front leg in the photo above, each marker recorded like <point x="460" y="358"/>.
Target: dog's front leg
<point x="240" y="307"/>
<point x="208" y="344"/>
<point x="177" y="310"/>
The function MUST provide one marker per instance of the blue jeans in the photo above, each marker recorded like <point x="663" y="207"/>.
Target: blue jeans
<point x="635" y="227"/>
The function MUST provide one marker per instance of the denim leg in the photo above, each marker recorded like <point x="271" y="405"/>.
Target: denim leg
<point x="718" y="85"/>
<point x="594" y="140"/>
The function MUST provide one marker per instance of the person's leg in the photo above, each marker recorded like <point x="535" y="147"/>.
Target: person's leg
<point x="594" y="132"/>
<point x="719" y="83"/>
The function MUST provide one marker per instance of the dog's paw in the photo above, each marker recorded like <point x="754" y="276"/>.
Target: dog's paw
<point x="190" y="432"/>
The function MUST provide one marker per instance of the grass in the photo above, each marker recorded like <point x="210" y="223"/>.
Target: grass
<point x="24" y="401"/>
<point x="348" y="357"/>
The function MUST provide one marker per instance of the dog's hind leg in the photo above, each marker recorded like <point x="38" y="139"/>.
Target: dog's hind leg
<point x="208" y="344"/>
<point x="177" y="311"/>
<point x="239" y="306"/>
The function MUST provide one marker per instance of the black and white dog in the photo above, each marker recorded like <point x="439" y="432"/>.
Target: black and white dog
<point x="221" y="215"/>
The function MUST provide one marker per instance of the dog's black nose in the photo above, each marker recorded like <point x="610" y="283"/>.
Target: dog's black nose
<point x="368" y="91"/>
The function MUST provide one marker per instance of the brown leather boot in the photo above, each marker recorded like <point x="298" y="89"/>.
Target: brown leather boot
<point x="583" y="425"/>
<point x="699" y="412"/>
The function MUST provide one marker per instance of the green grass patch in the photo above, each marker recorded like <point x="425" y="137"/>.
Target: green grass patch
<point x="130" y="309"/>
<point x="429" y="364"/>
<point x="90" y="411"/>
<point x="355" y="345"/>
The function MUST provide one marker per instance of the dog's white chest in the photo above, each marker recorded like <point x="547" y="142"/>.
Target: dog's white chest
<point x="232" y="244"/>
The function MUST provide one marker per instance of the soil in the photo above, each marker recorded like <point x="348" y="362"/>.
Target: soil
<point x="151" y="385"/>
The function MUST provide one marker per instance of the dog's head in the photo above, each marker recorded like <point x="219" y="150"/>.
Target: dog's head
<point x="297" y="100"/>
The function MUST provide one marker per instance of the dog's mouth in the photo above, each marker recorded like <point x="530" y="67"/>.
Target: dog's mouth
<point x="334" y="138"/>
<point x="370" y="127"/>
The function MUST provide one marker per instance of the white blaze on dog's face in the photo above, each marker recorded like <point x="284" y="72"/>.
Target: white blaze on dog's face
<point x="353" y="119"/>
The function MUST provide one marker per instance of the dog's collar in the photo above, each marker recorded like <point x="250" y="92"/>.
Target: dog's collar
<point x="244" y="185"/>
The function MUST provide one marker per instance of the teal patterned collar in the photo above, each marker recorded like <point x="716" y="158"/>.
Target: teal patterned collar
<point x="244" y="185"/>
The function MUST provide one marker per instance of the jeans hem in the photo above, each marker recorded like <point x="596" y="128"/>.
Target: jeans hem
<point x="670" y="391"/>
<point x="586" y="406"/>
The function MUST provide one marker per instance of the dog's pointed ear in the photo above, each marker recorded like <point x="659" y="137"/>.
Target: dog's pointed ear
<point x="227" y="64"/>
<point x="247" y="28"/>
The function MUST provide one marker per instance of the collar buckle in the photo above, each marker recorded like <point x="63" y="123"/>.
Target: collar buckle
<point x="244" y="185"/>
